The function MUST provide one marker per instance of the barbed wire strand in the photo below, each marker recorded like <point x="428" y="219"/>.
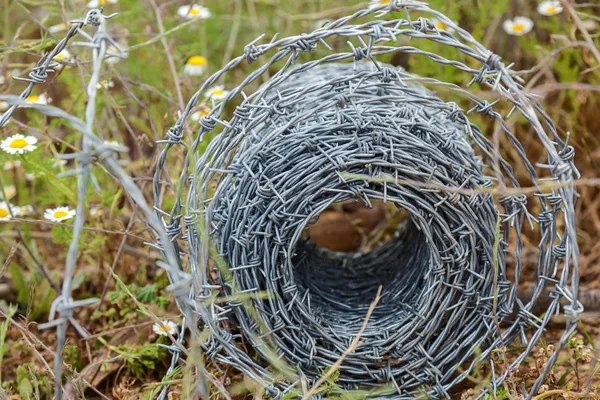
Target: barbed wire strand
<point x="281" y="159"/>
<point x="299" y="144"/>
<point x="92" y="149"/>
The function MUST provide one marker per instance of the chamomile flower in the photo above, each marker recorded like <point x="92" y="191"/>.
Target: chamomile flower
<point x="217" y="93"/>
<point x="589" y="24"/>
<point x="100" y="3"/>
<point x="200" y="113"/>
<point x="320" y="23"/>
<point x="113" y="143"/>
<point x="96" y="211"/>
<point x="195" y="66"/>
<point x="193" y="11"/>
<point x="63" y="57"/>
<point x="441" y="26"/>
<point x="105" y="85"/>
<point x="21" y="211"/>
<point x="59" y="28"/>
<point x="59" y="163"/>
<point x="11" y="165"/>
<point x="114" y="55"/>
<point x="377" y="3"/>
<point x="59" y="214"/>
<point x="518" y="26"/>
<point x="38" y="99"/>
<point x="5" y="211"/>
<point x="9" y="191"/>
<point x="29" y="176"/>
<point x="19" y="144"/>
<point x="4" y="106"/>
<point x="549" y="8"/>
<point x="165" y="329"/>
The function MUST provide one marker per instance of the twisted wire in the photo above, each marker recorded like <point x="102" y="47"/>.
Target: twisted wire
<point x="347" y="127"/>
<point x="94" y="149"/>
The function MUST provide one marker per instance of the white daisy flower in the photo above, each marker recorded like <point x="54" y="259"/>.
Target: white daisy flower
<point x="549" y="8"/>
<point x="200" y="113"/>
<point x="105" y="85"/>
<point x="4" y="106"/>
<point x="29" y="177"/>
<point x="113" y="143"/>
<point x="19" y="144"/>
<point x="63" y="57"/>
<point x="5" y="210"/>
<point x="96" y="211"/>
<point x="518" y="26"/>
<point x="217" y="93"/>
<point x="11" y="165"/>
<point x="441" y="26"/>
<point x="20" y="211"/>
<point x="165" y="329"/>
<point x="113" y="55"/>
<point x="193" y="11"/>
<point x="320" y="23"/>
<point x="377" y="3"/>
<point x="10" y="191"/>
<point x="59" y="163"/>
<point x="195" y="66"/>
<point x="101" y="3"/>
<point x="40" y="99"/>
<point x="59" y="214"/>
<point x="59" y="28"/>
<point x="589" y="24"/>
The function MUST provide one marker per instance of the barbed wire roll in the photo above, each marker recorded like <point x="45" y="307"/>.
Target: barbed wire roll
<point x="324" y="131"/>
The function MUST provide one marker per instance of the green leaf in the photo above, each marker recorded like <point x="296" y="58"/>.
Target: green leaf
<point x="19" y="283"/>
<point x="147" y="294"/>
<point x="563" y="377"/>
<point x="78" y="279"/>
<point x="161" y="301"/>
<point x="25" y="389"/>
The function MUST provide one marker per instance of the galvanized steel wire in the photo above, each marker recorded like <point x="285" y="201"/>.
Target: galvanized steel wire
<point x="342" y="127"/>
<point x="349" y="127"/>
<point x="93" y="150"/>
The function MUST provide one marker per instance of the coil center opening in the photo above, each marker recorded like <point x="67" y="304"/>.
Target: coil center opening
<point x="341" y="270"/>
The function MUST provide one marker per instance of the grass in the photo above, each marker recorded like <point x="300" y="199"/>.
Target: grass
<point x="120" y="359"/>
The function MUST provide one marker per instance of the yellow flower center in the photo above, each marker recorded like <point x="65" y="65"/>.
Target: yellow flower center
<point x="60" y="214"/>
<point x="18" y="143"/>
<point x="4" y="213"/>
<point x="441" y="25"/>
<point x="551" y="10"/>
<point x="384" y="2"/>
<point x="33" y="98"/>
<point x="194" y="11"/>
<point x="518" y="27"/>
<point x="217" y="92"/>
<point x="197" y="61"/>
